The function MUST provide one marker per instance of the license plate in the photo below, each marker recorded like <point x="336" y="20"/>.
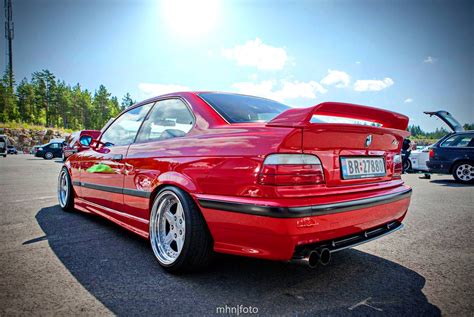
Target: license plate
<point x="362" y="167"/>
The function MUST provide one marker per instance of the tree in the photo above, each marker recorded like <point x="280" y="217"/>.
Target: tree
<point x="8" y="102"/>
<point x="127" y="101"/>
<point x="468" y="126"/>
<point x="26" y="101"/>
<point x="47" y="101"/>
<point x="45" y="87"/>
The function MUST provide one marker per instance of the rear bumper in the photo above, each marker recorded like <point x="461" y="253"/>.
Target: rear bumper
<point x="439" y="167"/>
<point x="276" y="231"/>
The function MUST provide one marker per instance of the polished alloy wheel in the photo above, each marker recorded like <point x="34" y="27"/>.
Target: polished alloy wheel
<point x="167" y="227"/>
<point x="63" y="188"/>
<point x="49" y="155"/>
<point x="465" y="172"/>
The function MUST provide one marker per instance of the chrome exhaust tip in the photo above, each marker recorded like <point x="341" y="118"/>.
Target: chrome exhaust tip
<point x="324" y="256"/>
<point x="313" y="259"/>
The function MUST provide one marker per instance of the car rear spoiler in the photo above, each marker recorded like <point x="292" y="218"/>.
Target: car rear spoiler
<point x="301" y="117"/>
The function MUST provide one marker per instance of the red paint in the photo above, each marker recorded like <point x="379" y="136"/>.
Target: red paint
<point x="217" y="160"/>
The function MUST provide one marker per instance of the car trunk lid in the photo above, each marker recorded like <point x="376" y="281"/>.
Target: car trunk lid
<point x="447" y="118"/>
<point x="373" y="138"/>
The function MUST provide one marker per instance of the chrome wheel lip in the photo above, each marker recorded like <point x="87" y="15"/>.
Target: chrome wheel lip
<point x="167" y="229"/>
<point x="63" y="188"/>
<point x="465" y="172"/>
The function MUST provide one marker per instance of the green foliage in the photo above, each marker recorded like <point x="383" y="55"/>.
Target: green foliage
<point x="47" y="101"/>
<point x="8" y="102"/>
<point x="418" y="133"/>
<point x="127" y="101"/>
<point x="468" y="126"/>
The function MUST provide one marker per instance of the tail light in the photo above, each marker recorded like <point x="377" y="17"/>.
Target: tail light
<point x="431" y="154"/>
<point x="291" y="169"/>
<point x="397" y="166"/>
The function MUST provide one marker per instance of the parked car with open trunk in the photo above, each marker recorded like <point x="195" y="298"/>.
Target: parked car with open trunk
<point x="454" y="153"/>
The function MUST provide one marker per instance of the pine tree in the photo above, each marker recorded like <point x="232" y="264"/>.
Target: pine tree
<point x="127" y="101"/>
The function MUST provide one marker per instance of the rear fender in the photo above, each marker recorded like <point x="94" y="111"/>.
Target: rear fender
<point x="179" y="180"/>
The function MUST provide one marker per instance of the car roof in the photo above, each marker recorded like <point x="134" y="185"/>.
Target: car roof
<point x="183" y="94"/>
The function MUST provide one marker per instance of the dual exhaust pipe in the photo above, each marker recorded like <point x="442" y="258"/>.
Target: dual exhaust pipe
<point x="315" y="258"/>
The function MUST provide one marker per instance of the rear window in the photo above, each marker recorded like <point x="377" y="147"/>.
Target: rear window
<point x="335" y="119"/>
<point x="240" y="108"/>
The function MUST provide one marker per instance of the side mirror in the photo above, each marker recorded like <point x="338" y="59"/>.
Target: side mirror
<point x="85" y="140"/>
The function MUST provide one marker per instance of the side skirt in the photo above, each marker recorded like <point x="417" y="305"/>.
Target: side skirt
<point x="122" y="219"/>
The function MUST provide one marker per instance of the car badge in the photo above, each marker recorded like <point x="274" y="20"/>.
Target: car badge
<point x="368" y="140"/>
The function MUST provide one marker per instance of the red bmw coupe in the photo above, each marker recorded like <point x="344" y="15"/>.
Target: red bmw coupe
<point x="203" y="172"/>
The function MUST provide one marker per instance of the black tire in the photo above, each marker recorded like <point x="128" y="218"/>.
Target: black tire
<point x="459" y="168"/>
<point x="68" y="204"/>
<point x="197" y="249"/>
<point x="48" y="156"/>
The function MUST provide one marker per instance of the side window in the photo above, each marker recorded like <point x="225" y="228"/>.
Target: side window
<point x="168" y="119"/>
<point x="54" y="146"/>
<point x="123" y="130"/>
<point x="465" y="140"/>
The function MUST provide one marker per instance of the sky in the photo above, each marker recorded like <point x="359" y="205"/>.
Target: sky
<point x="405" y="56"/>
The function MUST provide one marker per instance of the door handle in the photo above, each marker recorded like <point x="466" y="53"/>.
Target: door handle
<point x="117" y="157"/>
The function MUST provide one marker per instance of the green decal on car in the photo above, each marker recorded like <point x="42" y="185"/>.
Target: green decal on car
<point x="101" y="168"/>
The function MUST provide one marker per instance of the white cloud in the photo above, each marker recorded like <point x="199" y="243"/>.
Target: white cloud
<point x="373" y="84"/>
<point x="258" y="54"/>
<point x="408" y="100"/>
<point x="253" y="76"/>
<point x="358" y="62"/>
<point x="430" y="60"/>
<point x="152" y="90"/>
<point x="281" y="91"/>
<point x="337" y="78"/>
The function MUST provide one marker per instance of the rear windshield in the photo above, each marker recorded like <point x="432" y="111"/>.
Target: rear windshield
<point x="240" y="108"/>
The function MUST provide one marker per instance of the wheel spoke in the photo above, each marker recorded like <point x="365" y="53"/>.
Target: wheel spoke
<point x="168" y="238"/>
<point x="169" y="217"/>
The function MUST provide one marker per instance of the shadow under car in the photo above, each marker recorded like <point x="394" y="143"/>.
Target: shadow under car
<point x="119" y="269"/>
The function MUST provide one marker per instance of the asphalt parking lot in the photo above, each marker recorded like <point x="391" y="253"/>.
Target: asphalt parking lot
<point x="54" y="262"/>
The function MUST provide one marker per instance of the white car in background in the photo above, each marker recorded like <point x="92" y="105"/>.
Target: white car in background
<point x="418" y="159"/>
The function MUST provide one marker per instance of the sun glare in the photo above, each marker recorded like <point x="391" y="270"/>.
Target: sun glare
<point x="190" y="18"/>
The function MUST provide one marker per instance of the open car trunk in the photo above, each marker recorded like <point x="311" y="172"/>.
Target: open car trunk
<point x="351" y="153"/>
<point x="452" y="123"/>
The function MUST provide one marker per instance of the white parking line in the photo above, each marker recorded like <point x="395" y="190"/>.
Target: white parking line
<point x="33" y="199"/>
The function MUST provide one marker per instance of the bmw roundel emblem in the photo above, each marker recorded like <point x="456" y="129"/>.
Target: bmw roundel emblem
<point x="368" y="140"/>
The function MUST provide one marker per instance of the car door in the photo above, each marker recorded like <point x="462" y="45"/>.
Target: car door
<point x="58" y="151"/>
<point x="455" y="148"/>
<point x="102" y="166"/>
<point x="53" y="148"/>
<point x="156" y="151"/>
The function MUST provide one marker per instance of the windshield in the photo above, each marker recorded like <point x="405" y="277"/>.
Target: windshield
<point x="240" y="108"/>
